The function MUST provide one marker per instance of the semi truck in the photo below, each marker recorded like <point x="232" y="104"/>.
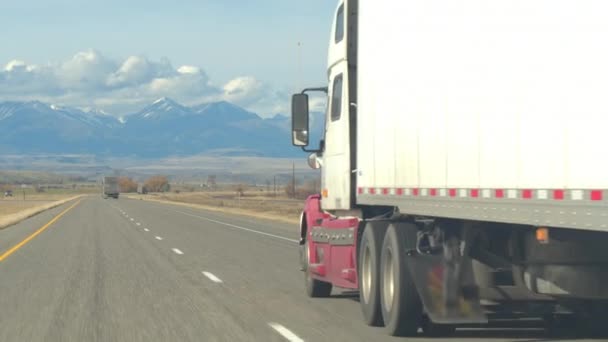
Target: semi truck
<point x="141" y="189"/>
<point x="462" y="172"/>
<point x="110" y="187"/>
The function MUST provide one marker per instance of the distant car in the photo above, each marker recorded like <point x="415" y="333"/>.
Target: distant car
<point x="8" y="193"/>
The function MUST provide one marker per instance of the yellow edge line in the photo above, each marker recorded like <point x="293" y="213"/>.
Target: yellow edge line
<point x="22" y="243"/>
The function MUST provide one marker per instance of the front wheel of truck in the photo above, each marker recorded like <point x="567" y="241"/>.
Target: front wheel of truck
<point x="314" y="288"/>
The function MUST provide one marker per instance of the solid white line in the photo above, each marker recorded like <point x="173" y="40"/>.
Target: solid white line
<point x="212" y="277"/>
<point x="146" y="230"/>
<point x="158" y="238"/>
<point x="290" y="336"/>
<point x="177" y="251"/>
<point x="238" y="227"/>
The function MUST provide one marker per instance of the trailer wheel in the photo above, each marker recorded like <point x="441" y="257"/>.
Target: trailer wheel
<point x="314" y="288"/>
<point x="369" y="272"/>
<point x="401" y="305"/>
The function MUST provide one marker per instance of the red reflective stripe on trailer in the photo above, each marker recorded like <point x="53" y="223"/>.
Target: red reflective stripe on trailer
<point x="597" y="195"/>
<point x="527" y="194"/>
<point x="499" y="193"/>
<point x="558" y="195"/>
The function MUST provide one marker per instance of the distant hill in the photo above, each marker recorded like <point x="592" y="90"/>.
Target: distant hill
<point x="163" y="128"/>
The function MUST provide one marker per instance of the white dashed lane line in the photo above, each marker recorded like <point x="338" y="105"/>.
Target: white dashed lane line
<point x="280" y="329"/>
<point x="212" y="277"/>
<point x="288" y="334"/>
<point x="237" y="227"/>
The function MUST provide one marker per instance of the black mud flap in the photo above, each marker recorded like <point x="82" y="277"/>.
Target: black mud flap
<point x="447" y="289"/>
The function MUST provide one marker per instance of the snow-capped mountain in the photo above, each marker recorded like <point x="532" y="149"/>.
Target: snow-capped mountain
<point x="162" y="128"/>
<point x="160" y="109"/>
<point x="225" y="111"/>
<point x="36" y="127"/>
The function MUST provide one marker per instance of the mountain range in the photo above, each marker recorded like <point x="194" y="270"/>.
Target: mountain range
<point x="163" y="128"/>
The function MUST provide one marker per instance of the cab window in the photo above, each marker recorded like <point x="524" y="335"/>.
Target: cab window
<point x="339" y="25"/>
<point x="336" y="98"/>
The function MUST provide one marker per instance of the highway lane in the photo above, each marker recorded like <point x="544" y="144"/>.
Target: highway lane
<point x="129" y="270"/>
<point x="92" y="277"/>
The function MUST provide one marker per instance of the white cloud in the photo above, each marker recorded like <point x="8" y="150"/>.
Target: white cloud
<point x="243" y="89"/>
<point x="189" y="69"/>
<point x="256" y="95"/>
<point x="137" y="70"/>
<point x="90" y="79"/>
<point x="87" y="70"/>
<point x="318" y="103"/>
<point x="14" y="65"/>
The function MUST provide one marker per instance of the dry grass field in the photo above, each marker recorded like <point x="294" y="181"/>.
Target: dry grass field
<point x="26" y="200"/>
<point x="13" y="205"/>
<point x="15" y="212"/>
<point x="252" y="204"/>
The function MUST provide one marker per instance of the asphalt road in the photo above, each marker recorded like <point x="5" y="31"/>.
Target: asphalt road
<point x="130" y="270"/>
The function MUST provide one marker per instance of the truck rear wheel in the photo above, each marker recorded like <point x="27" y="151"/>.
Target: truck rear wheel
<point x="369" y="272"/>
<point x="314" y="288"/>
<point x="401" y="305"/>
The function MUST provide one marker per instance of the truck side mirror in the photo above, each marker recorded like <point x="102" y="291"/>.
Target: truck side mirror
<point x="299" y="120"/>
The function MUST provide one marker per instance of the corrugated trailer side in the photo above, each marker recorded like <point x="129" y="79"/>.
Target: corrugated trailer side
<point x="492" y="111"/>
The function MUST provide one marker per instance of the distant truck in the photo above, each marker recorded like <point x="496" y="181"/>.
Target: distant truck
<point x="462" y="171"/>
<point x="141" y="189"/>
<point x="110" y="187"/>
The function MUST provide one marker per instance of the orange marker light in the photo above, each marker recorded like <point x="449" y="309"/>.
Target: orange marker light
<point x="542" y="235"/>
<point x="324" y="193"/>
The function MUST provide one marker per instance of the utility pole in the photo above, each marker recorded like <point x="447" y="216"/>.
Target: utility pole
<point x="293" y="178"/>
<point x="299" y="59"/>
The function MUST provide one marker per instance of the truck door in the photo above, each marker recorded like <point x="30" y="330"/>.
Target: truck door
<point x="338" y="161"/>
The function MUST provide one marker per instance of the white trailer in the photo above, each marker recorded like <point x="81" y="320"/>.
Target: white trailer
<point x="110" y="187"/>
<point x="464" y="139"/>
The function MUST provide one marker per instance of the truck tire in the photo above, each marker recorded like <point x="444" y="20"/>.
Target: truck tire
<point x="369" y="272"/>
<point x="314" y="288"/>
<point x="401" y="305"/>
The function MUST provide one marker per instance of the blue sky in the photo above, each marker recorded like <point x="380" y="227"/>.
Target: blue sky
<point x="248" y="43"/>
